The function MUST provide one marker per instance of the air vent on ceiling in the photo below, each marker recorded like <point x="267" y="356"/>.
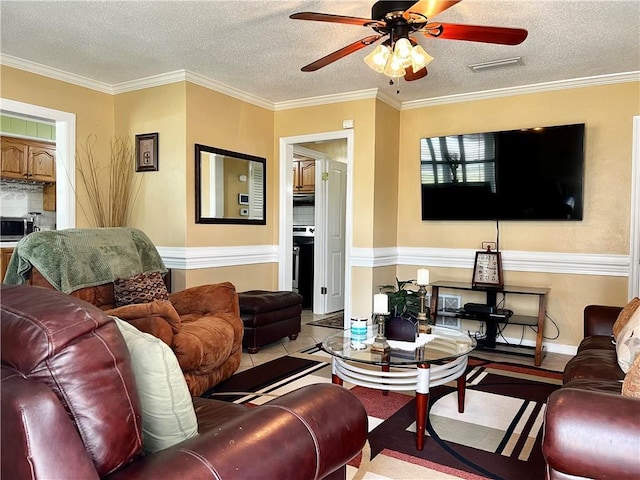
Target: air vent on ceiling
<point x="506" y="62"/>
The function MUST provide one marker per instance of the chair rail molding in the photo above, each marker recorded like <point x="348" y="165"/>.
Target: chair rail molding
<point x="522" y="261"/>
<point x="610" y="265"/>
<point x="191" y="258"/>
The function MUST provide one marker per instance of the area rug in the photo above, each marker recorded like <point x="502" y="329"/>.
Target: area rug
<point x="497" y="437"/>
<point x="334" y="321"/>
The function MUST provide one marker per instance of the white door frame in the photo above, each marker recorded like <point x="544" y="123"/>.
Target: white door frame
<point x="286" y="207"/>
<point x="318" y="305"/>
<point x="634" y="237"/>
<point x="65" y="155"/>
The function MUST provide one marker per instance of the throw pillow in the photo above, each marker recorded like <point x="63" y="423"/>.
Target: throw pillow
<point x="141" y="288"/>
<point x="168" y="416"/>
<point x="628" y="342"/>
<point x="631" y="383"/>
<point x="624" y="316"/>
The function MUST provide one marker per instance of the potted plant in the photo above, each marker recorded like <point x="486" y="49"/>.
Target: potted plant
<point x="403" y="302"/>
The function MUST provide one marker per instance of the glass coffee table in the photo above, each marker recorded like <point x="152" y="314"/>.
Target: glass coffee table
<point x="434" y="359"/>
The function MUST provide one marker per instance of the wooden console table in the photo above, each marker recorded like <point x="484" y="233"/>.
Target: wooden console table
<point x="493" y="320"/>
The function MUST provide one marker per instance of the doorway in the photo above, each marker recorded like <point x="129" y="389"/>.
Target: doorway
<point x="65" y="155"/>
<point x="286" y="213"/>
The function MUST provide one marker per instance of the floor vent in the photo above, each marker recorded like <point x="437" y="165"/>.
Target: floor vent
<point x="447" y="305"/>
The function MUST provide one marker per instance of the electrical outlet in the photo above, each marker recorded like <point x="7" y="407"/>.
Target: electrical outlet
<point x="489" y="246"/>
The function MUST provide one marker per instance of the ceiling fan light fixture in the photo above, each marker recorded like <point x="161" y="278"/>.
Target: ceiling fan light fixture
<point x="377" y="59"/>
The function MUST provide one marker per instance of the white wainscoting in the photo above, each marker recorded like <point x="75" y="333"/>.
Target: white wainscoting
<point x="547" y="262"/>
<point x="191" y="258"/>
<point x="188" y="258"/>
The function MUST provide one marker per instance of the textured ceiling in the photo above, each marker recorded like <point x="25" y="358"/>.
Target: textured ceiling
<point x="254" y="47"/>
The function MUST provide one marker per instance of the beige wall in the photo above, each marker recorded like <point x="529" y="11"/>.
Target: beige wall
<point x="386" y="171"/>
<point x="161" y="206"/>
<point x="220" y="121"/>
<point x="328" y="118"/>
<point x="216" y="120"/>
<point x="607" y="112"/>
<point x="93" y="110"/>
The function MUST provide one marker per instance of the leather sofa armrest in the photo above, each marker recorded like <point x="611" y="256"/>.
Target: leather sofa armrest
<point x="599" y="319"/>
<point x="589" y="434"/>
<point x="33" y="420"/>
<point x="308" y="433"/>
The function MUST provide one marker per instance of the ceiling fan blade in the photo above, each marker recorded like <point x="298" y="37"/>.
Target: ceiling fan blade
<point x="338" y="54"/>
<point x="411" y="75"/>
<point x="475" y="33"/>
<point x="431" y="8"/>
<point x="327" y="17"/>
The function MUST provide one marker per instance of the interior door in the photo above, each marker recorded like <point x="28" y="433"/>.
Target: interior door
<point x="335" y="257"/>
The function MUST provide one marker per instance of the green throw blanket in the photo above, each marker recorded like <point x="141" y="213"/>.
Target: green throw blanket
<point x="83" y="257"/>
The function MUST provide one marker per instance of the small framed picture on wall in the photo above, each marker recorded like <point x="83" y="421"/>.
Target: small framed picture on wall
<point x="147" y="152"/>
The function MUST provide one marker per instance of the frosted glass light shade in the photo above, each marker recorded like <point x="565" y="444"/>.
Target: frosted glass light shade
<point x="419" y="58"/>
<point x="395" y="67"/>
<point x="377" y="59"/>
<point x="403" y="48"/>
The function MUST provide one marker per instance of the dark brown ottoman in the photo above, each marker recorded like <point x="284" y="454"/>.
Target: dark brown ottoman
<point x="269" y="316"/>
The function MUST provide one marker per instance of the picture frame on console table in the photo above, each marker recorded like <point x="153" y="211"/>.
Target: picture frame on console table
<point x="147" y="152"/>
<point x="487" y="270"/>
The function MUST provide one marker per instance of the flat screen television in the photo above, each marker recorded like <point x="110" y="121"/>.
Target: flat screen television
<point x="527" y="174"/>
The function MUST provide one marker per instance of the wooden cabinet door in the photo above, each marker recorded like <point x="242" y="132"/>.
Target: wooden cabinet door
<point x="5" y="256"/>
<point x="41" y="164"/>
<point x="14" y="159"/>
<point x="307" y="176"/>
<point x="296" y="176"/>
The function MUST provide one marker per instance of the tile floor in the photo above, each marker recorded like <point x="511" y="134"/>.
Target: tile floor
<point x="311" y="335"/>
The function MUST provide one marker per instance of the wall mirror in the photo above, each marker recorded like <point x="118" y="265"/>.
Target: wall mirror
<point x="230" y="187"/>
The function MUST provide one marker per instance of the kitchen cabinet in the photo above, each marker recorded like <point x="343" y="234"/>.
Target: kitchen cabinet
<point x="49" y="197"/>
<point x="5" y="256"/>
<point x="304" y="176"/>
<point x="28" y="160"/>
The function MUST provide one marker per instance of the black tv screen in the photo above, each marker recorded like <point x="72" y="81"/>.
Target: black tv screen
<point x="527" y="174"/>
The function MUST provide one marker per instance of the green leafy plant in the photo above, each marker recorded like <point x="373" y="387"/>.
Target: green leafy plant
<point x="403" y="302"/>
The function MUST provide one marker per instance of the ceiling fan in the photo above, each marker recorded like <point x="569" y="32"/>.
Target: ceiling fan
<point x="400" y="55"/>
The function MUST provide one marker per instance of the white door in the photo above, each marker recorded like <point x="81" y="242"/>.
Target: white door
<point x="335" y="212"/>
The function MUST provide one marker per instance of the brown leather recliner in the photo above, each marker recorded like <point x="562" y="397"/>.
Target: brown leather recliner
<point x="201" y="324"/>
<point x="70" y="409"/>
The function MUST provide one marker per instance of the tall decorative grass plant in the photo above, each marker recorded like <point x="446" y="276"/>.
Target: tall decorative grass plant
<point x="112" y="188"/>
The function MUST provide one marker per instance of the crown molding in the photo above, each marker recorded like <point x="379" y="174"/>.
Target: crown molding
<point x="327" y="99"/>
<point x="186" y="75"/>
<point x="525" y="89"/>
<point x="56" y="74"/>
<point x="189" y="76"/>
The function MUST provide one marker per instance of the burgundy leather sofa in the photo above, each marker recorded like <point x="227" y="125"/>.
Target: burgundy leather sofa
<point x="70" y="409"/>
<point x="591" y="431"/>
